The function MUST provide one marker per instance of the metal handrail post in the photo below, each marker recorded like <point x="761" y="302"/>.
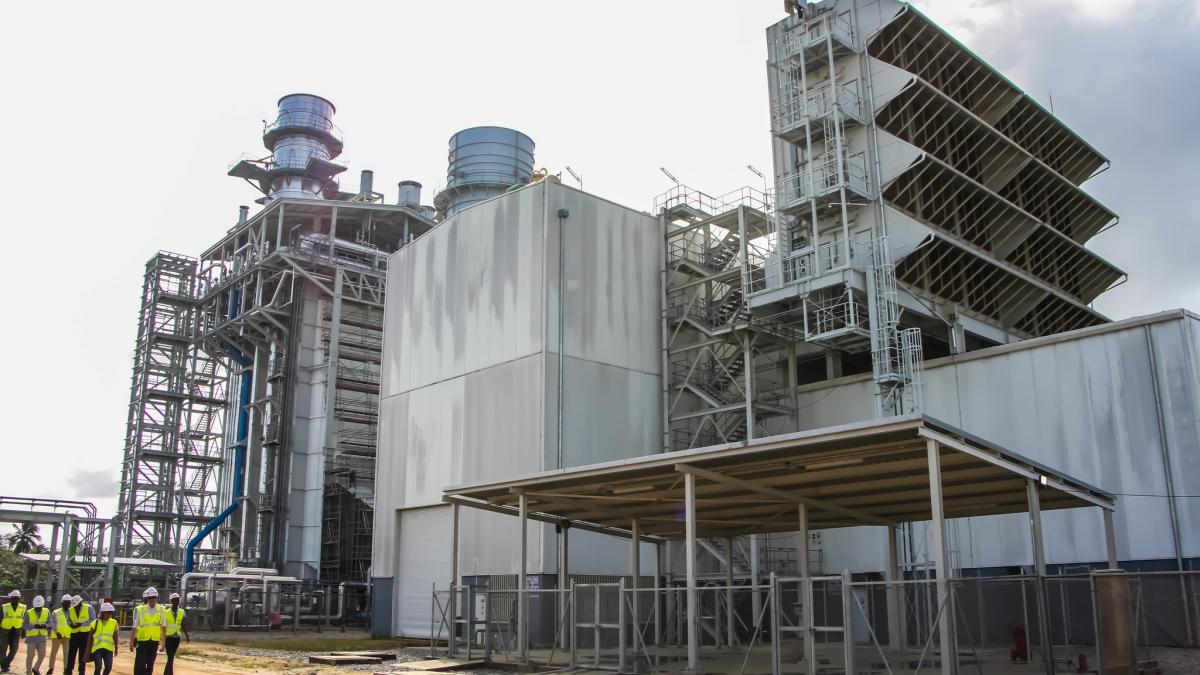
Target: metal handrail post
<point x="621" y="625"/>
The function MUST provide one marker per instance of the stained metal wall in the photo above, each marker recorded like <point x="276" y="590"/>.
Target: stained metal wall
<point x="470" y="365"/>
<point x="1117" y="406"/>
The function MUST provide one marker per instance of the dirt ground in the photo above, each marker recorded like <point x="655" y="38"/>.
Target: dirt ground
<point x="251" y="654"/>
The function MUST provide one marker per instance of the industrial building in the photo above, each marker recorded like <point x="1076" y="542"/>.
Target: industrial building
<point x="252" y="418"/>
<point x="922" y="257"/>
<point x="873" y="377"/>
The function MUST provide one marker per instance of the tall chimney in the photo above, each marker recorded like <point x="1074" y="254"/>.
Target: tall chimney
<point x="243" y="214"/>
<point x="410" y="193"/>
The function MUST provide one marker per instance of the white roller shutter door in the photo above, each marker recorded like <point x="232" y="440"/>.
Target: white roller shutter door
<point x="424" y="560"/>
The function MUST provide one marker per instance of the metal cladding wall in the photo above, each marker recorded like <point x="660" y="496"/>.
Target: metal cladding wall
<point x="1117" y="406"/>
<point x="469" y="390"/>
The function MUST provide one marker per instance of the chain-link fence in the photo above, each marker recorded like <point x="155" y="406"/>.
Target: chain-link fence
<point x="841" y="624"/>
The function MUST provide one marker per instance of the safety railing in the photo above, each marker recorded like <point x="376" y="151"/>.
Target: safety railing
<point x="838" y="26"/>
<point x="683" y="196"/>
<point x="302" y="120"/>
<point x="824" y="177"/>
<point x="793" y="108"/>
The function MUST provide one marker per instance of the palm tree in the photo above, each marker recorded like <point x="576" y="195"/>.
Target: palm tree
<point x="25" y="538"/>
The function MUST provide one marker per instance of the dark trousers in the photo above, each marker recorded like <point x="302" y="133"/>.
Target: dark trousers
<point x="10" y="638"/>
<point x="143" y="658"/>
<point x="103" y="660"/>
<point x="76" y="656"/>
<point x="172" y="647"/>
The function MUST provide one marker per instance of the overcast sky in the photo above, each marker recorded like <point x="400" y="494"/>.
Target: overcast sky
<point x="122" y="118"/>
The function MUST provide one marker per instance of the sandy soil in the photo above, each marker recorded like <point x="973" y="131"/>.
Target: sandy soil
<point x="197" y="658"/>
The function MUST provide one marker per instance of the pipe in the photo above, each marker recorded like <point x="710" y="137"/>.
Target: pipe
<point x="239" y="455"/>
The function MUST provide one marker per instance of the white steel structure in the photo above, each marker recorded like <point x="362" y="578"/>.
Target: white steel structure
<point x="917" y="188"/>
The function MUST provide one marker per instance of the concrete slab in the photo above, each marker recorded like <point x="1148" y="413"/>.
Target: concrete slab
<point x="344" y="660"/>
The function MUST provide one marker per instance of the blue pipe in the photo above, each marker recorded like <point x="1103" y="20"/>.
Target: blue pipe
<point x="239" y="453"/>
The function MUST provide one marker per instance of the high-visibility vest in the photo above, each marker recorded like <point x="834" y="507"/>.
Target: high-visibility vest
<point x="148" y="622"/>
<point x="14" y="617"/>
<point x="33" y="619"/>
<point x="104" y="635"/>
<point x="62" y="629"/>
<point x="85" y="614"/>
<point x="174" y="621"/>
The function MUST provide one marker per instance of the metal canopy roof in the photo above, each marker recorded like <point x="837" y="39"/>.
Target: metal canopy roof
<point x="117" y="561"/>
<point x="873" y="473"/>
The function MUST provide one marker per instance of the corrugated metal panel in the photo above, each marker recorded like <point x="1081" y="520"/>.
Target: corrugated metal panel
<point x="424" y="561"/>
<point x="1088" y="406"/>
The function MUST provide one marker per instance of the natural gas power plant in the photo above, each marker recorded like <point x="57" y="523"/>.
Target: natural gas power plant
<point x="868" y="415"/>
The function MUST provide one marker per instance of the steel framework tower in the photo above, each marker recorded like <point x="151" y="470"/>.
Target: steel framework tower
<point x="176" y="412"/>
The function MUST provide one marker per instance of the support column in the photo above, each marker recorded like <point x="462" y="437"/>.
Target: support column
<point x="693" y="608"/>
<point x="454" y="532"/>
<point x="658" y="576"/>
<point x="1039" y="572"/>
<point x="895" y="594"/>
<point x="564" y="574"/>
<point x="748" y="384"/>
<point x="729" y="591"/>
<point x="941" y="560"/>
<point x="755" y="595"/>
<point x="635" y="563"/>
<point x="1110" y="539"/>
<point x="806" y="592"/>
<point x="65" y="552"/>
<point x="523" y="584"/>
<point x="452" y="611"/>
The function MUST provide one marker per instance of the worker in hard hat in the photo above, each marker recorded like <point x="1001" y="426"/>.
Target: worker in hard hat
<point x="60" y="632"/>
<point x="102" y="641"/>
<point x="80" y="618"/>
<point x="149" y="620"/>
<point x="176" y="618"/>
<point x="37" y="630"/>
<point x="12" y="621"/>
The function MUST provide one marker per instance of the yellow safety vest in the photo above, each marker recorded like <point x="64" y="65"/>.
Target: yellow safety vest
<point x="61" y="627"/>
<point x="33" y="619"/>
<point x="148" y="622"/>
<point x="104" y="635"/>
<point x="80" y="618"/>
<point x="14" y="617"/>
<point x="174" y="621"/>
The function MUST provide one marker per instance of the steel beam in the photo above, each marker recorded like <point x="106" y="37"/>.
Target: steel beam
<point x="693" y="605"/>
<point x="941" y="561"/>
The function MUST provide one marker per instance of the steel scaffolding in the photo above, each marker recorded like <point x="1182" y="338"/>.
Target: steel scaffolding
<point x="174" y="431"/>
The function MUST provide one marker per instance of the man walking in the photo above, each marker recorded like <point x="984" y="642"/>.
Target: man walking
<point x="148" y="622"/>
<point x="60" y="633"/>
<point x="175" y="624"/>
<point x="37" y="629"/>
<point x="11" y="623"/>
<point x="102" y="641"/>
<point x="80" y="618"/>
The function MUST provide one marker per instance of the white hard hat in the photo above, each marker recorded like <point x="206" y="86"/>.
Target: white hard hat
<point x="151" y="592"/>
<point x="76" y="600"/>
<point x="39" y="601"/>
<point x="66" y="598"/>
<point x="106" y="607"/>
<point x="174" y="596"/>
<point x="15" y="594"/>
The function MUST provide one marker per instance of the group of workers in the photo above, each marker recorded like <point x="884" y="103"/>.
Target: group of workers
<point x="83" y="636"/>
